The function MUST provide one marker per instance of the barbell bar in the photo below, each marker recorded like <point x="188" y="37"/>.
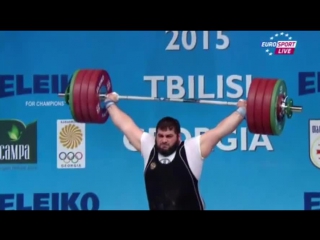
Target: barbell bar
<point x="102" y="97"/>
<point x="268" y="104"/>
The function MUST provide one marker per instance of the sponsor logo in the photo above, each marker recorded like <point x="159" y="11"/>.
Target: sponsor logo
<point x="70" y="144"/>
<point x="50" y="201"/>
<point x="308" y="83"/>
<point x="279" y="44"/>
<point x="32" y="87"/>
<point x="18" y="142"/>
<point x="314" y="142"/>
<point x="312" y="201"/>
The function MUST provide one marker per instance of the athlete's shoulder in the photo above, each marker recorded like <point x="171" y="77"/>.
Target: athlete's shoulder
<point x="193" y="154"/>
<point x="192" y="146"/>
<point x="147" y="138"/>
<point x="147" y="144"/>
<point x="192" y="142"/>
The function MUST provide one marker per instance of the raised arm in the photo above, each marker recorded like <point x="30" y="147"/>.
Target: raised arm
<point x="211" y="138"/>
<point x="123" y="122"/>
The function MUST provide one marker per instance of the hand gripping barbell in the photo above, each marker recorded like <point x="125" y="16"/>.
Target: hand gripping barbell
<point x="268" y="104"/>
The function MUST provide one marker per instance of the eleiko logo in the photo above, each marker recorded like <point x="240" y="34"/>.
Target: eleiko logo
<point x="279" y="44"/>
<point x="311" y="201"/>
<point x="50" y="201"/>
<point x="308" y="83"/>
<point x="29" y="89"/>
<point x="71" y="144"/>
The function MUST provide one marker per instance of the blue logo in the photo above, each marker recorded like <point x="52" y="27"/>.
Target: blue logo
<point x="50" y="201"/>
<point x="12" y="85"/>
<point x="308" y="83"/>
<point x="311" y="200"/>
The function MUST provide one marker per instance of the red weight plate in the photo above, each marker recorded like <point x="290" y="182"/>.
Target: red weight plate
<point x="258" y="105"/>
<point x="99" y="79"/>
<point x="265" y="113"/>
<point x="77" y="99"/>
<point x="85" y="104"/>
<point x="253" y="90"/>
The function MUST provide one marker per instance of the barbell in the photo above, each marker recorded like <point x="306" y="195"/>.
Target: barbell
<point x="268" y="104"/>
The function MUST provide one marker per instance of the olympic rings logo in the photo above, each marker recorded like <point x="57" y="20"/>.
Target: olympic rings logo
<point x="70" y="157"/>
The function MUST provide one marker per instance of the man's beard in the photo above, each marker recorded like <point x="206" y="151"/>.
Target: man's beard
<point x="169" y="151"/>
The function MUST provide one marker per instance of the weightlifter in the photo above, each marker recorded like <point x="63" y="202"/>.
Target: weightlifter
<point x="172" y="167"/>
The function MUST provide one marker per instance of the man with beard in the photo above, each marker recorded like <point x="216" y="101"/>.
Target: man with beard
<point x="173" y="167"/>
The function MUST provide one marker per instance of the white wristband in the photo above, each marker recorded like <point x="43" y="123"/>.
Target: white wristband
<point x="242" y="111"/>
<point x="108" y="103"/>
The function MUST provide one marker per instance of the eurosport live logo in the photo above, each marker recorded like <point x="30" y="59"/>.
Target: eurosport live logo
<point x="279" y="44"/>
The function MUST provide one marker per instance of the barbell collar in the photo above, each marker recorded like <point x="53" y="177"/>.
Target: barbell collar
<point x="296" y="109"/>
